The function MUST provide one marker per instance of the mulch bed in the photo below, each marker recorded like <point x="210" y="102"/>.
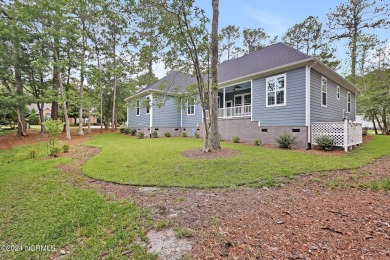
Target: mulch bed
<point x="198" y="154"/>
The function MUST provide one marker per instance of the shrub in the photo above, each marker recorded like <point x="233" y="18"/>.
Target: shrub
<point x="197" y="135"/>
<point x="140" y="135"/>
<point x="55" y="151"/>
<point x="65" y="148"/>
<point x="325" y="142"/>
<point x="167" y="134"/>
<point x="285" y="140"/>
<point x="235" y="139"/>
<point x="32" y="153"/>
<point x="126" y="131"/>
<point x="122" y="130"/>
<point x="133" y="131"/>
<point x="155" y="134"/>
<point x="184" y="134"/>
<point x="257" y="142"/>
<point x="33" y="119"/>
<point x="365" y="131"/>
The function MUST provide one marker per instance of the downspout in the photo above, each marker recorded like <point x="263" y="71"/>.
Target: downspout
<point x="151" y="115"/>
<point x="308" y="103"/>
<point x="181" y="113"/>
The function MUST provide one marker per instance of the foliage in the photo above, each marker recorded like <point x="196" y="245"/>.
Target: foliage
<point x="32" y="153"/>
<point x="55" y="151"/>
<point x="325" y="142"/>
<point x="122" y="130"/>
<point x="253" y="164"/>
<point x="235" y="139"/>
<point x="33" y="119"/>
<point x="133" y="131"/>
<point x="254" y="39"/>
<point x="184" y="134"/>
<point x="61" y="213"/>
<point x="140" y="135"/>
<point x="257" y="142"/>
<point x="365" y="131"/>
<point x="285" y="140"/>
<point x="54" y="129"/>
<point x="229" y="37"/>
<point x="65" y="148"/>
<point x="197" y="135"/>
<point x="182" y="233"/>
<point x="155" y="134"/>
<point x="167" y="134"/>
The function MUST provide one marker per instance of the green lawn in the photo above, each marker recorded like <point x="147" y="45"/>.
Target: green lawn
<point x="124" y="159"/>
<point x="39" y="206"/>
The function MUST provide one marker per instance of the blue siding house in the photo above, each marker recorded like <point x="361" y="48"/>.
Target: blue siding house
<point x="261" y="95"/>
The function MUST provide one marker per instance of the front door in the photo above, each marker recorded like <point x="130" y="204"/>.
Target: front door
<point x="229" y="108"/>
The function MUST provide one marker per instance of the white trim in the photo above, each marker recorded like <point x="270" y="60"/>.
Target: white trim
<point x="251" y="100"/>
<point x="150" y="101"/>
<point x="307" y="93"/>
<point x="285" y="90"/>
<point x="151" y="112"/>
<point x="349" y="102"/>
<point x="322" y="96"/>
<point x="338" y="92"/>
<point x="224" y="102"/>
<point x="228" y="101"/>
<point x="242" y="99"/>
<point x="181" y="113"/>
<point x="138" y="107"/>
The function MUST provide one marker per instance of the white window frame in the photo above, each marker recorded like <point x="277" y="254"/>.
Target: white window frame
<point x="138" y="108"/>
<point x="338" y="92"/>
<point x="285" y="90"/>
<point x="189" y="107"/>
<point x="148" y="108"/>
<point x="242" y="99"/>
<point x="322" y="92"/>
<point x="218" y="100"/>
<point x="349" y="102"/>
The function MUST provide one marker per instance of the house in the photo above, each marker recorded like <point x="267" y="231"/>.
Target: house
<point x="261" y="95"/>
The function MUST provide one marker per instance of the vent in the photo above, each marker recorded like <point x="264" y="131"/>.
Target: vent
<point x="296" y="130"/>
<point x="264" y="130"/>
<point x="156" y="129"/>
<point x="176" y="129"/>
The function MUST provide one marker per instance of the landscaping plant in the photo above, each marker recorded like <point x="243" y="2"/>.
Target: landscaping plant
<point x="140" y="135"/>
<point x="325" y="142"/>
<point x="133" y="131"/>
<point x="167" y="134"/>
<point x="235" y="139"/>
<point x="53" y="129"/>
<point x="155" y="134"/>
<point x="197" y="135"/>
<point x="285" y="140"/>
<point x="257" y="142"/>
<point x="65" y="148"/>
<point x="184" y="134"/>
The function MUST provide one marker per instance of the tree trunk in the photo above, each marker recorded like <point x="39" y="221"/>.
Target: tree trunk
<point x="354" y="51"/>
<point x="41" y="117"/>
<point x="19" y="91"/>
<point x="214" y="142"/>
<point x="113" y="119"/>
<point x="379" y="122"/>
<point x="56" y="84"/>
<point x="376" y="130"/>
<point x="81" y="131"/>
<point x="385" y="129"/>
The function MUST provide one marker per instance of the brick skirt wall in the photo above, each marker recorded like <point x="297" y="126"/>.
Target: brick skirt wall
<point x="248" y="131"/>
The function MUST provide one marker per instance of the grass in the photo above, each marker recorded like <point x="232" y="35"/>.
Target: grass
<point x="40" y="206"/>
<point x="158" y="162"/>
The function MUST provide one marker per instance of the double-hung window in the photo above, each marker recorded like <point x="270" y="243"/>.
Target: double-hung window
<point x="349" y="102"/>
<point x="138" y="108"/>
<point x="276" y="90"/>
<point x="324" y="92"/>
<point x="148" y="105"/>
<point x="338" y="93"/>
<point x="190" y="107"/>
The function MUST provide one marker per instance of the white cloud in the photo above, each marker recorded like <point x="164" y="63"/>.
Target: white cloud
<point x="159" y="70"/>
<point x="273" y="24"/>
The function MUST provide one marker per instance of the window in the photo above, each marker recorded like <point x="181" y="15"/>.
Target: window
<point x="138" y="108"/>
<point x="242" y="100"/>
<point x="324" y="91"/>
<point x="148" y="105"/>
<point x="276" y="90"/>
<point x="338" y="92"/>
<point x="218" y="101"/>
<point x="190" y="107"/>
<point x="348" y="102"/>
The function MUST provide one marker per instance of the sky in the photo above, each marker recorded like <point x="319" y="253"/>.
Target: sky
<point x="274" y="16"/>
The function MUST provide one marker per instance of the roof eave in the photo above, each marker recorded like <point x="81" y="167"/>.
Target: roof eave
<point x="142" y="93"/>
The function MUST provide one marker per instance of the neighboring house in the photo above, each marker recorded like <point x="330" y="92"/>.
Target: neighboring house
<point x="261" y="95"/>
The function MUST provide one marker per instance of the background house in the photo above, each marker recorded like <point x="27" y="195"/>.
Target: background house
<point x="261" y="95"/>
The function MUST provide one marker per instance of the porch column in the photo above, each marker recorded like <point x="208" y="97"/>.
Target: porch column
<point x="224" y="104"/>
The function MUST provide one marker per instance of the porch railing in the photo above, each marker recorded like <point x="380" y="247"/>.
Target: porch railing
<point x="233" y="112"/>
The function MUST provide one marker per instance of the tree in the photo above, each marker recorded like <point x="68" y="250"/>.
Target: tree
<point x="229" y="37"/>
<point x="351" y="18"/>
<point x="254" y="39"/>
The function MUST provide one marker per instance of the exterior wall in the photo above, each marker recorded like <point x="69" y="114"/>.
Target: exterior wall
<point x="192" y="121"/>
<point x="168" y="115"/>
<point x="293" y="113"/>
<point x="141" y="121"/>
<point x="249" y="131"/>
<point x="334" y="110"/>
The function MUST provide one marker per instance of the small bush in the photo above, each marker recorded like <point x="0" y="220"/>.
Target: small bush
<point x="32" y="153"/>
<point x="325" y="142"/>
<point x="167" y="134"/>
<point x="184" y="134"/>
<point x="365" y="131"/>
<point x="55" y="151"/>
<point x="140" y="135"/>
<point x="65" y="148"/>
<point x="155" y="134"/>
<point x="386" y="184"/>
<point x="122" y="130"/>
<point x="235" y="139"/>
<point x="257" y="142"/>
<point x="285" y="140"/>
<point x="133" y="131"/>
<point x="126" y="131"/>
<point x="197" y="135"/>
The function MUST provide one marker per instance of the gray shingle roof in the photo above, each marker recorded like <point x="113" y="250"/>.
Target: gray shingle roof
<point x="273" y="56"/>
<point x="268" y="58"/>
